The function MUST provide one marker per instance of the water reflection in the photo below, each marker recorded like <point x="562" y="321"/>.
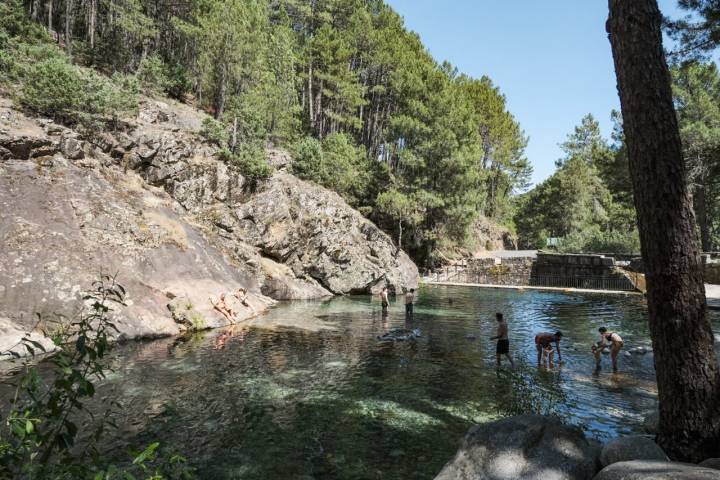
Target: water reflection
<point x="307" y="391"/>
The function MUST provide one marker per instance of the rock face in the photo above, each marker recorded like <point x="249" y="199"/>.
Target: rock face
<point x="327" y="247"/>
<point x="527" y="447"/>
<point x="633" y="447"/>
<point x="654" y="470"/>
<point x="713" y="463"/>
<point x="154" y="205"/>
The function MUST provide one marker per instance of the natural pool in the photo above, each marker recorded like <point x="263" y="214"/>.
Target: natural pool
<point x="308" y="392"/>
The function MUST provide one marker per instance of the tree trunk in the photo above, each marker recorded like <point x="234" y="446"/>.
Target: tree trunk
<point x="687" y="371"/>
<point x="700" y="207"/>
<point x="68" y="26"/>
<point x="92" y="15"/>
<point x="400" y="232"/>
<point x="50" y="17"/>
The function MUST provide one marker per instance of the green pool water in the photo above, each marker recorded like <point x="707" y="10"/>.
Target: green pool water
<point x="307" y="391"/>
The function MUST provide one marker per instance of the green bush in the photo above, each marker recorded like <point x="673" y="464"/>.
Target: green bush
<point x="250" y="160"/>
<point x="593" y="240"/>
<point x="152" y="75"/>
<point x="53" y="88"/>
<point x="214" y="132"/>
<point x="74" y="95"/>
<point x="14" y="22"/>
<point x="308" y="160"/>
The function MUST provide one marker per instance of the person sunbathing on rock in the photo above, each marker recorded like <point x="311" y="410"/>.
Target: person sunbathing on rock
<point x="223" y="308"/>
<point x="242" y="295"/>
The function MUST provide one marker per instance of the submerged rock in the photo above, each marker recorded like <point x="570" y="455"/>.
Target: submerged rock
<point x="633" y="447"/>
<point x="526" y="447"/>
<point x="656" y="470"/>
<point x="400" y="335"/>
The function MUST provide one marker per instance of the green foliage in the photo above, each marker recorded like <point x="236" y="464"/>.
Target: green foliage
<point x="56" y="89"/>
<point x="53" y="88"/>
<point x="250" y="160"/>
<point x="47" y="417"/>
<point x="214" y="132"/>
<point x="383" y="113"/>
<point x="153" y="76"/>
<point x="14" y="23"/>
<point x="575" y="204"/>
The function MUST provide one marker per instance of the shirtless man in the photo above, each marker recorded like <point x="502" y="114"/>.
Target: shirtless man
<point x="608" y="340"/>
<point x="543" y="343"/>
<point x="223" y="308"/>
<point x="385" y="301"/>
<point x="409" y="297"/>
<point x="503" y="342"/>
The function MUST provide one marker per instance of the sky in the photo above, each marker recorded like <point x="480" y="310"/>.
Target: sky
<point x="551" y="59"/>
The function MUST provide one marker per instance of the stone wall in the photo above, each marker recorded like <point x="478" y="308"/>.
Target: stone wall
<point x="712" y="273"/>
<point x="552" y="270"/>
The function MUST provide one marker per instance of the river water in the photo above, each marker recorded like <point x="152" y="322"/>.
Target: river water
<point x="307" y="390"/>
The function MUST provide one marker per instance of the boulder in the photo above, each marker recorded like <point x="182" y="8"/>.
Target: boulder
<point x="656" y="470"/>
<point x="317" y="234"/>
<point x="651" y="422"/>
<point x="526" y="447"/>
<point x="713" y="463"/>
<point x="633" y="447"/>
<point x="13" y="346"/>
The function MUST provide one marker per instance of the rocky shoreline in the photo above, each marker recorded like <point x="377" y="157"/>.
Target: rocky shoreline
<point x="154" y="205"/>
<point x="537" y="447"/>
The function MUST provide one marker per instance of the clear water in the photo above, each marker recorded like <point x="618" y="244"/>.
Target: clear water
<point x="307" y="391"/>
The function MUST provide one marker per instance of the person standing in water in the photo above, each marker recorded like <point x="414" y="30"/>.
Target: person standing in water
<point x="608" y="340"/>
<point x="503" y="342"/>
<point x="385" y="301"/>
<point x="409" y="298"/>
<point x="543" y="344"/>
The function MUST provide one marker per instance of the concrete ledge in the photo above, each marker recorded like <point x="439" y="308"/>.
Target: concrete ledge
<point x="518" y="287"/>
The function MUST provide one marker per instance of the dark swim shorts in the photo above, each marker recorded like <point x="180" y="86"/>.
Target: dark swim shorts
<point x="503" y="347"/>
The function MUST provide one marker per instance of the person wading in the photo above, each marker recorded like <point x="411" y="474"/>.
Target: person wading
<point x="610" y="340"/>
<point x="503" y="342"/>
<point x="545" y="340"/>
<point x="409" y="298"/>
<point x="385" y="301"/>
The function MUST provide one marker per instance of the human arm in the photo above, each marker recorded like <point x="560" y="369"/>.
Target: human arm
<point x="557" y="346"/>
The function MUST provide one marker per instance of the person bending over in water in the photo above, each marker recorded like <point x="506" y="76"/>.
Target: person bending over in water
<point x="543" y="342"/>
<point x="503" y="342"/>
<point x="608" y="340"/>
<point x="224" y="309"/>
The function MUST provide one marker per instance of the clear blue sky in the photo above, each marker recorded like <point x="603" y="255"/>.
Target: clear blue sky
<point x="551" y="59"/>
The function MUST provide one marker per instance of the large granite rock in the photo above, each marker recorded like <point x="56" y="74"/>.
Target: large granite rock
<point x="656" y="470"/>
<point x="315" y="233"/>
<point x="527" y="447"/>
<point x="633" y="447"/>
<point x="63" y="223"/>
<point x="326" y="244"/>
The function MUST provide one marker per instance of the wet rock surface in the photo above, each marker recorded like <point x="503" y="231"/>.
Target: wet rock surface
<point x="526" y="447"/>
<point x="633" y="447"/>
<point x="656" y="470"/>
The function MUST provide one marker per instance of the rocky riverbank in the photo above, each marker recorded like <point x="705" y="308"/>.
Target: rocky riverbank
<point x="153" y="204"/>
<point x="536" y="447"/>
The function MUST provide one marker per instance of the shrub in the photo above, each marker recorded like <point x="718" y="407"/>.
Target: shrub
<point x="152" y="74"/>
<point x="214" y="132"/>
<point x="593" y="240"/>
<point x="250" y="160"/>
<point x="53" y="88"/>
<point x="308" y="160"/>
<point x="74" y="95"/>
<point x="37" y="437"/>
